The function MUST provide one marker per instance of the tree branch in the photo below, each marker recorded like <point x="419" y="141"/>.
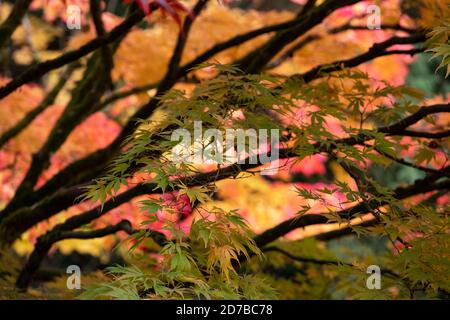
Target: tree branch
<point x="377" y="50"/>
<point x="100" y="30"/>
<point x="303" y="259"/>
<point x="13" y="21"/>
<point x="237" y="40"/>
<point x="99" y="157"/>
<point x="255" y="61"/>
<point x="123" y="225"/>
<point x="48" y="101"/>
<point x="421" y="186"/>
<point x="44" y="244"/>
<point x="84" y="96"/>
<point x="65" y="197"/>
<point x="412" y="165"/>
<point x="326" y="236"/>
<point x="313" y="37"/>
<point x="428" y="135"/>
<point x="38" y="70"/>
<point x="330" y="235"/>
<point x="399" y="127"/>
<point x="323" y="262"/>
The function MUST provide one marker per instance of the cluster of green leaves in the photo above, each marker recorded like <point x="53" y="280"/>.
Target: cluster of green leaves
<point x="205" y="262"/>
<point x="338" y="269"/>
<point x="439" y="44"/>
<point x="233" y="100"/>
<point x="202" y="265"/>
<point x="423" y="232"/>
<point x="351" y="98"/>
<point x="419" y="266"/>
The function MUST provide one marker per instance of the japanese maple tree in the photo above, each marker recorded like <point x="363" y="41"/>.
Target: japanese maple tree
<point x="87" y="119"/>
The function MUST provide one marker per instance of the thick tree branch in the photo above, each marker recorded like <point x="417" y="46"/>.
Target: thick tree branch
<point x="377" y="50"/>
<point x="88" y="91"/>
<point x="334" y="234"/>
<point x="421" y="186"/>
<point x="256" y="60"/>
<point x="40" y="69"/>
<point x="98" y="158"/>
<point x="100" y="30"/>
<point x="428" y="135"/>
<point x="309" y="5"/>
<point x="14" y="19"/>
<point x="313" y="37"/>
<point x="65" y="197"/>
<point x="44" y="244"/>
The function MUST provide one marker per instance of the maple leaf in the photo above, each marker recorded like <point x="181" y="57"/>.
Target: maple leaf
<point x="172" y="8"/>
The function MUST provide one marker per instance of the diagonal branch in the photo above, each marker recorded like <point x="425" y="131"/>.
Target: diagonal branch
<point x="237" y="40"/>
<point x="123" y="225"/>
<point x="172" y="73"/>
<point x="256" y="60"/>
<point x="13" y="21"/>
<point x="377" y="50"/>
<point x="65" y="197"/>
<point x="97" y="159"/>
<point x="428" y="135"/>
<point x="400" y="126"/>
<point x="48" y="101"/>
<point x="323" y="262"/>
<point x="40" y="69"/>
<point x="303" y="259"/>
<point x="313" y="37"/>
<point x="420" y="186"/>
<point x="334" y="234"/>
<point x="44" y="244"/>
<point x="412" y="165"/>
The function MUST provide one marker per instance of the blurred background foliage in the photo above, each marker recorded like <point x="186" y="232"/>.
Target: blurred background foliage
<point x="293" y="280"/>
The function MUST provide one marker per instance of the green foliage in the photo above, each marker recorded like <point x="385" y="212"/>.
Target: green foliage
<point x="202" y="267"/>
<point x="207" y="263"/>
<point x="439" y="44"/>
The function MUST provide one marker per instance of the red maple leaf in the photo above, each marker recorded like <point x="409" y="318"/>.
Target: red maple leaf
<point x="172" y="8"/>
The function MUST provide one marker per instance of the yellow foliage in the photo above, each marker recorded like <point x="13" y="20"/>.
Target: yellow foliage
<point x="433" y="12"/>
<point x="216" y="24"/>
<point x="35" y="32"/>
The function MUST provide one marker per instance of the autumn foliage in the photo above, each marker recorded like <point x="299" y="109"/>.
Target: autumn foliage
<point x="363" y="175"/>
